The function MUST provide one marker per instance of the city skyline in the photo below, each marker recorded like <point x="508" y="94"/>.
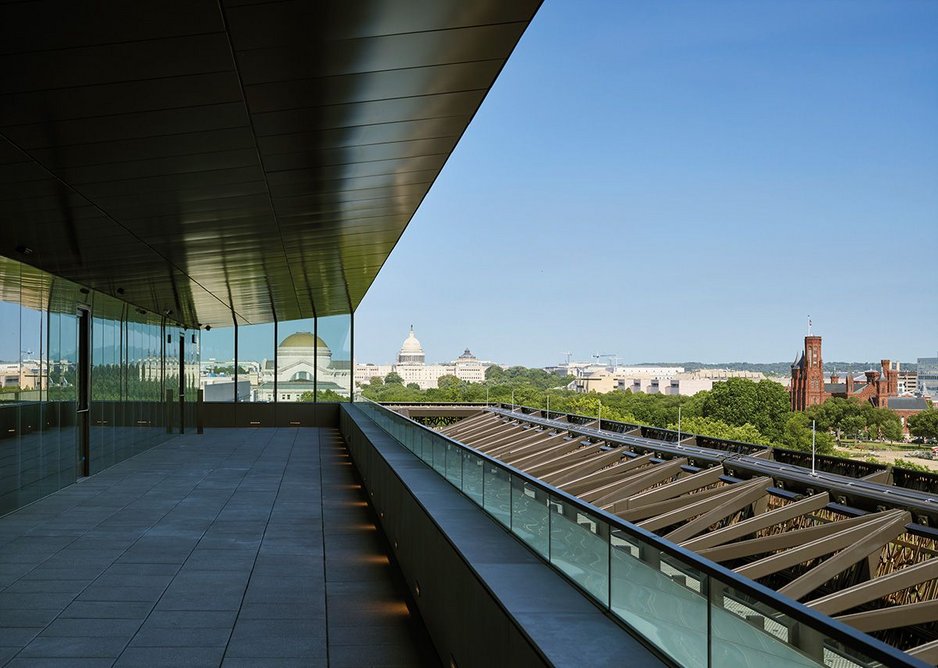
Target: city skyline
<point x="738" y="167"/>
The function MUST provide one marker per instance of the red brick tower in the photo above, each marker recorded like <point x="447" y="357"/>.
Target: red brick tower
<point x="807" y="376"/>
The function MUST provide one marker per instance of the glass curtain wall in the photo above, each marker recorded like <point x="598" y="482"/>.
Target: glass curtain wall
<point x="39" y="439"/>
<point x="107" y="374"/>
<point x="334" y="368"/>
<point x="298" y="352"/>
<point x="143" y="403"/>
<point x="217" y="374"/>
<point x="256" y="358"/>
<point x="289" y="361"/>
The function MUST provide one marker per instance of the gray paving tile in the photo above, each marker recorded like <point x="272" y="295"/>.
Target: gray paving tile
<point x="282" y="638"/>
<point x="156" y="636"/>
<point x="185" y="619"/>
<point x="107" y="610"/>
<point x="92" y="628"/>
<point x="102" y="592"/>
<point x="30" y="586"/>
<point x="69" y="662"/>
<point x="39" y="601"/>
<point x="26" y="618"/>
<point x="171" y="657"/>
<point x="69" y="647"/>
<point x="12" y="636"/>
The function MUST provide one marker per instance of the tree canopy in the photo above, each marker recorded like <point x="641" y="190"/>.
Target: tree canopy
<point x="924" y="424"/>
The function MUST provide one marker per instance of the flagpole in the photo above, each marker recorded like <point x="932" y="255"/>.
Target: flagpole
<point x="813" y="446"/>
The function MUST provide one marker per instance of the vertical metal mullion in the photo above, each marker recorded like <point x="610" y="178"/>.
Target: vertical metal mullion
<point x="276" y="362"/>
<point x="236" y="361"/>
<point x="351" y="386"/>
<point x="315" y="359"/>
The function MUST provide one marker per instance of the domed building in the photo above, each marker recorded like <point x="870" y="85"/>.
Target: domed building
<point x="411" y="350"/>
<point x="301" y="357"/>
<point x="412" y="366"/>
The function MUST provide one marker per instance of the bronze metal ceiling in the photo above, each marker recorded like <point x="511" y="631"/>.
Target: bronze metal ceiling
<point x="234" y="158"/>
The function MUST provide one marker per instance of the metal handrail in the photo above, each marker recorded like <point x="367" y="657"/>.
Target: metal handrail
<point x="873" y="648"/>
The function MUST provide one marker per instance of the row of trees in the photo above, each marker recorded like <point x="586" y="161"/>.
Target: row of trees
<point x="738" y="409"/>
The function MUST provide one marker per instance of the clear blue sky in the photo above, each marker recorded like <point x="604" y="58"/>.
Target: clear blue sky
<point x="685" y="181"/>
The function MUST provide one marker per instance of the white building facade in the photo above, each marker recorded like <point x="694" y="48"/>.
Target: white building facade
<point x="411" y="366"/>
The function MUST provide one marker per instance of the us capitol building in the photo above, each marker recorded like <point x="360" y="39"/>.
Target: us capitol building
<point x="411" y="366"/>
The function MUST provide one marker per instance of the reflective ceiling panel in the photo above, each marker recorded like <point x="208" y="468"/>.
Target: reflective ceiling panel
<point x="240" y="160"/>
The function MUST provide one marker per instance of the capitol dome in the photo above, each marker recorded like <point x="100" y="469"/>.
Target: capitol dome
<point x="303" y="340"/>
<point x="411" y="351"/>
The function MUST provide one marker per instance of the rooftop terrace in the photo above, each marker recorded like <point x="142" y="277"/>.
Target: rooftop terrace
<point x="240" y="547"/>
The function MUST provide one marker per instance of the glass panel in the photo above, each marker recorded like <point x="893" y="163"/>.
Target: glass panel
<point x="297" y="352"/>
<point x="453" y="463"/>
<point x="256" y="361"/>
<point x="664" y="603"/>
<point x="63" y="380"/>
<point x="191" y="389"/>
<point x="742" y="628"/>
<point x="334" y="362"/>
<point x="497" y="493"/>
<point x="472" y="476"/>
<point x="439" y="454"/>
<point x="529" y="515"/>
<point x="106" y="383"/>
<point x="10" y="378"/>
<point x="579" y="547"/>
<point x="426" y="447"/>
<point x="217" y="368"/>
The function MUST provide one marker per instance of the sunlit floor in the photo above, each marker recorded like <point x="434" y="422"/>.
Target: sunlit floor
<point x="241" y="547"/>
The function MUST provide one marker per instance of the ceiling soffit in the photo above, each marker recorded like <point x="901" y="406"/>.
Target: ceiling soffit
<point x="233" y="160"/>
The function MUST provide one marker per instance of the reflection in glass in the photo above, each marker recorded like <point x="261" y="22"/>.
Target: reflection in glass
<point x="529" y="516"/>
<point x="298" y="353"/>
<point x="217" y="373"/>
<point x="664" y="601"/>
<point x="334" y="366"/>
<point x="256" y="360"/>
<point x="579" y="547"/>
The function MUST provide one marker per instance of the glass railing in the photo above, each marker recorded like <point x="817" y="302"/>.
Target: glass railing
<point x="694" y="611"/>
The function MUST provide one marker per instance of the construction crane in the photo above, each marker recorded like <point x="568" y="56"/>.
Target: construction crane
<point x="569" y="355"/>
<point x="612" y="357"/>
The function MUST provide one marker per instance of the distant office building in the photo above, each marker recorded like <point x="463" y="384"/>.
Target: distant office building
<point x="661" y="380"/>
<point x="586" y="368"/>
<point x="907" y="381"/>
<point x="411" y="366"/>
<point x="928" y="377"/>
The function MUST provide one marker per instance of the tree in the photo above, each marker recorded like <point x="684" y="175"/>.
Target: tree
<point x="925" y="424"/>
<point x="738" y="401"/>
<point x="747" y="433"/>
<point x="377" y="381"/>
<point x="448" y="381"/>
<point x="910" y="466"/>
<point x="413" y="386"/>
<point x="393" y="378"/>
<point x="839" y="415"/>
<point x="882" y="423"/>
<point x="797" y="435"/>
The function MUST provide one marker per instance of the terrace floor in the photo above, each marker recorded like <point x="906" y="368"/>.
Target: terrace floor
<point x="240" y="547"/>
